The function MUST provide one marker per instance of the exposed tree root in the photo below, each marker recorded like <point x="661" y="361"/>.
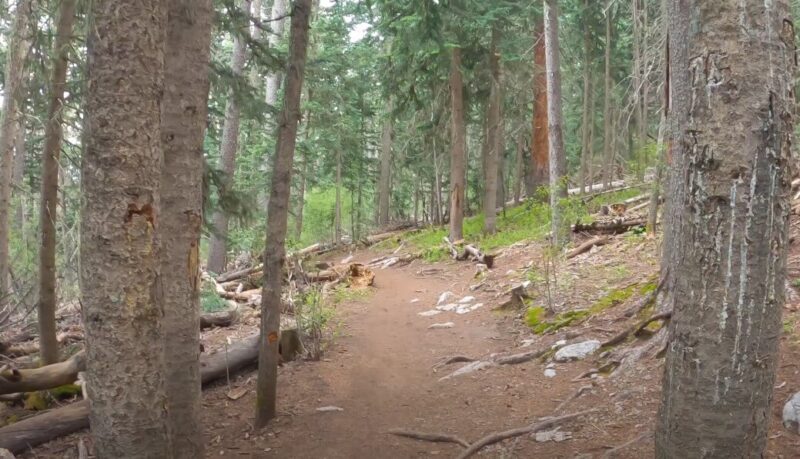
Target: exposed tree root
<point x="431" y="437"/>
<point x="521" y="358"/>
<point x="572" y="397"/>
<point x="473" y="448"/>
<point x="587" y="246"/>
<point x="476" y="365"/>
<point x="636" y="329"/>
<point x="506" y="434"/>
<point x="613" y="451"/>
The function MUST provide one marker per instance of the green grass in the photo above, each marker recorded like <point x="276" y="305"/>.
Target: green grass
<point x="210" y="300"/>
<point x="530" y="221"/>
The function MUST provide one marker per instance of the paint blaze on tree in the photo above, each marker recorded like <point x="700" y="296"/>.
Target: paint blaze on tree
<point x="731" y="108"/>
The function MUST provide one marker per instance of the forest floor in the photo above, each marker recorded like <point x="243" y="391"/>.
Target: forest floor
<point x="383" y="367"/>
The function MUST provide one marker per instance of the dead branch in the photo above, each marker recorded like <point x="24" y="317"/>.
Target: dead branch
<point x="587" y="246"/>
<point x="521" y="358"/>
<point x="46" y="377"/>
<point x="238" y="274"/>
<point x="617" y="226"/>
<point x="506" y="434"/>
<point x="432" y="437"/>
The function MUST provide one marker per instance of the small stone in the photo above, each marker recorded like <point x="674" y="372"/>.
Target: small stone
<point x="328" y="409"/>
<point x="415" y="300"/>
<point x="550" y="373"/>
<point x="466" y="300"/>
<point x="791" y="413"/>
<point x="527" y="342"/>
<point x="551" y="365"/>
<point x="510" y="272"/>
<point x="577" y="351"/>
<point x="441" y="325"/>
<point x="480" y="268"/>
<point x="429" y="313"/>
<point x="445" y="297"/>
<point x="447" y="307"/>
<point x="559" y="344"/>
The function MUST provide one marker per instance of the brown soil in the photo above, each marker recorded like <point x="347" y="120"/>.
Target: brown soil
<point x="381" y="370"/>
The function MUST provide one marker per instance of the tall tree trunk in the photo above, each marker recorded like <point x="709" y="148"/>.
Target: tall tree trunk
<point x="218" y="247"/>
<point x="519" y="165"/>
<point x="256" y="33"/>
<point x="20" y="155"/>
<point x="587" y="89"/>
<point x="121" y="292"/>
<point x="558" y="162"/>
<point x="183" y="121"/>
<point x="384" y="192"/>
<point x="48" y="345"/>
<point x="731" y="103"/>
<point x="337" y="211"/>
<point x="277" y="26"/>
<point x="277" y="216"/>
<point x="301" y="195"/>
<point x="492" y="152"/>
<point x="638" y="140"/>
<point x="458" y="146"/>
<point x="500" y="201"/>
<point x="19" y="43"/>
<point x="540" y="152"/>
<point x="608" y="151"/>
<point x="655" y="193"/>
<point x="591" y="159"/>
<point x="437" y="183"/>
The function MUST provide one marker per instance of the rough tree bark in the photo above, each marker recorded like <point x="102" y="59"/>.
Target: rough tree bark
<point x="121" y="294"/>
<point x="183" y="122"/>
<point x="277" y="216"/>
<point x="48" y="344"/>
<point x="458" y="146"/>
<point x="587" y="89"/>
<point x="638" y="139"/>
<point x="540" y="152"/>
<point x="337" y="209"/>
<point x="277" y="26"/>
<point x="384" y="191"/>
<point x="19" y="43"/>
<point x="558" y="162"/>
<point x="519" y="165"/>
<point x="731" y="103"/>
<point x="20" y="155"/>
<point x="493" y="138"/>
<point x="608" y="148"/>
<point x="218" y="246"/>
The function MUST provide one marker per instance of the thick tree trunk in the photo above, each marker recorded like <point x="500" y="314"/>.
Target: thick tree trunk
<point x="18" y="45"/>
<point x="301" y="200"/>
<point x="183" y="122"/>
<point x="591" y="159"/>
<point x="458" y="146"/>
<point x="558" y="162"/>
<point x="384" y="192"/>
<point x="608" y="148"/>
<point x="277" y="216"/>
<point x="48" y="344"/>
<point x="20" y="155"/>
<point x="731" y="102"/>
<point x="491" y="152"/>
<point x="587" y="90"/>
<point x="277" y="25"/>
<point x="638" y="140"/>
<point x="218" y="246"/>
<point x="121" y="294"/>
<point x="540" y="152"/>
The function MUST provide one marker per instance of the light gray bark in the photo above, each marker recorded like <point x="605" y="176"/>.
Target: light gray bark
<point x="218" y="246"/>
<point x="608" y="147"/>
<point x="277" y="26"/>
<point x="587" y="95"/>
<point x="337" y="211"/>
<point x="558" y="164"/>
<point x="731" y="69"/>
<point x="121" y="291"/>
<point x="277" y="217"/>
<point x="184" y="111"/>
<point x="18" y="44"/>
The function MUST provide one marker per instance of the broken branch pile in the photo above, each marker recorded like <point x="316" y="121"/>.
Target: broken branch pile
<point x="471" y="252"/>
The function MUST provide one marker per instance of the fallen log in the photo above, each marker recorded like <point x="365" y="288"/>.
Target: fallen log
<point x="68" y="419"/>
<point x="376" y="238"/>
<point x="324" y="276"/>
<point x="42" y="378"/>
<point x="219" y="319"/>
<point x="32" y="347"/>
<point x="587" y="246"/>
<point x="238" y="274"/>
<point x="452" y="247"/>
<point x="617" y="226"/>
<point x="242" y="296"/>
<point x="476" y="254"/>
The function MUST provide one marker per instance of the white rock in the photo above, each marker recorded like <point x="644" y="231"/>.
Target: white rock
<point x="527" y="342"/>
<point x="442" y="325"/>
<point x="475" y="306"/>
<point x="551" y="365"/>
<point x="577" y="351"/>
<point x="559" y="344"/>
<point x="466" y="299"/>
<point x="462" y="309"/>
<point x="415" y="300"/>
<point x="510" y="272"/>
<point x="447" y="307"/>
<point x="432" y="312"/>
<point x="526" y="284"/>
<point x="445" y="297"/>
<point x="326" y="409"/>
<point x="550" y="373"/>
<point x="791" y="413"/>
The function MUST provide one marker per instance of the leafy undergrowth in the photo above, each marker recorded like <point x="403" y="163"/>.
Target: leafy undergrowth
<point x="535" y="316"/>
<point x="529" y="221"/>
